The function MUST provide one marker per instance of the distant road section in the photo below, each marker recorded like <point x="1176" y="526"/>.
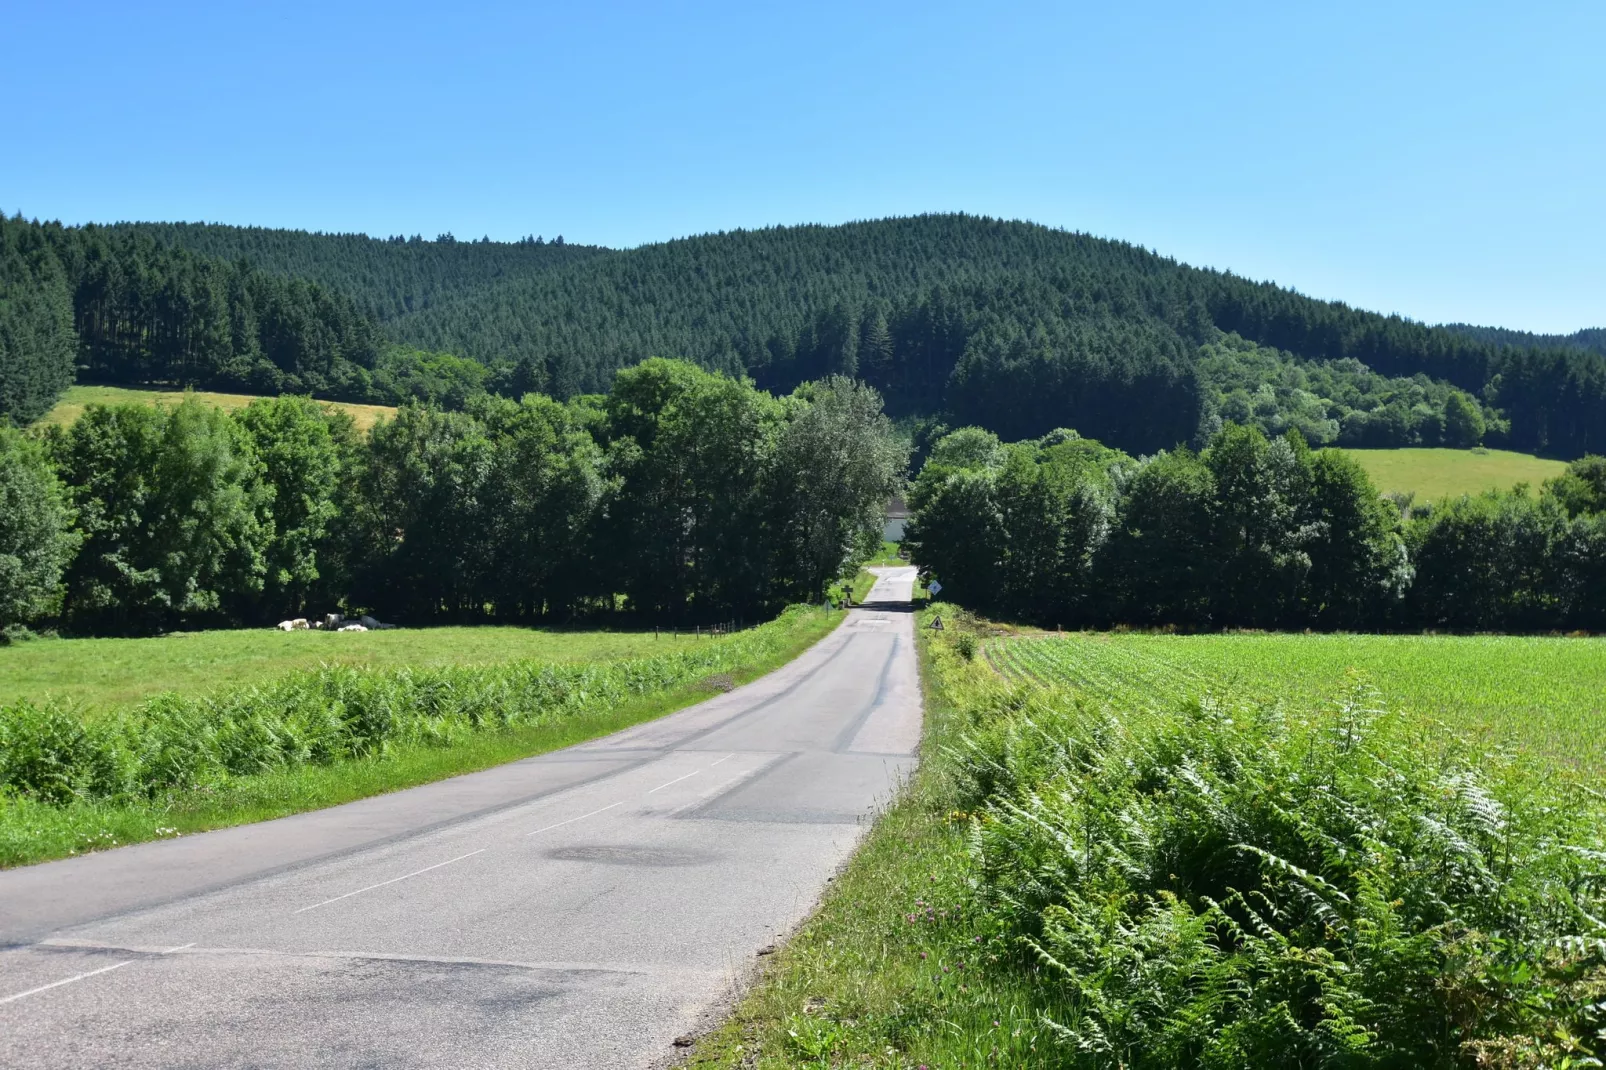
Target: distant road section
<point x="579" y="909"/>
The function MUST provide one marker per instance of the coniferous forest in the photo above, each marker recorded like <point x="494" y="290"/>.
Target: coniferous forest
<point x="956" y="320"/>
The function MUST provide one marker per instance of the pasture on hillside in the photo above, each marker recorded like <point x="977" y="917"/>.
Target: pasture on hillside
<point x="101" y="674"/>
<point x="1432" y="474"/>
<point x="78" y="398"/>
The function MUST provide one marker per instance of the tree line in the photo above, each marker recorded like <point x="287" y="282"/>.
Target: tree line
<point x="680" y="496"/>
<point x="1250" y="532"/>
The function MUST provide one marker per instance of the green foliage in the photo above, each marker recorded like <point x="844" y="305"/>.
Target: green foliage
<point x="303" y="448"/>
<point x="174" y="514"/>
<point x="1233" y="887"/>
<point x="1340" y="402"/>
<point x="37" y="345"/>
<point x="1250" y="533"/>
<point x="1509" y="562"/>
<point x="836" y="465"/>
<point x="404" y="374"/>
<point x="1582" y="488"/>
<point x="36" y="542"/>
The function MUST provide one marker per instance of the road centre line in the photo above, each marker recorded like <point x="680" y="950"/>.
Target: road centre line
<point x="689" y="775"/>
<point x="67" y="981"/>
<point x="677" y="780"/>
<point x="393" y="880"/>
<point x="91" y="973"/>
<point x="572" y="820"/>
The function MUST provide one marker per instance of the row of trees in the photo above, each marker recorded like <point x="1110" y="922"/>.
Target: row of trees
<point x="1250" y="532"/>
<point x="688" y="495"/>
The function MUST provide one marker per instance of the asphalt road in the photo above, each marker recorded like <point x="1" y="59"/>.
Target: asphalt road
<point x="579" y="909"/>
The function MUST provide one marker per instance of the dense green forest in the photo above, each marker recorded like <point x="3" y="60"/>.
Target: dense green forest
<point x="955" y="319"/>
<point x="388" y="278"/>
<point x="1250" y="532"/>
<point x="1591" y="339"/>
<point x="681" y="495"/>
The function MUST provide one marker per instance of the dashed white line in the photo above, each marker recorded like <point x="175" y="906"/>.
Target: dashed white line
<point x="572" y="820"/>
<point x="67" y="981"/>
<point x="392" y="880"/>
<point x="677" y="780"/>
<point x="689" y="775"/>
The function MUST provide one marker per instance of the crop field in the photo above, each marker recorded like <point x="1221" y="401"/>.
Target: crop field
<point x="1544" y="694"/>
<point x="99" y="674"/>
<point x="78" y="398"/>
<point x="1431" y="474"/>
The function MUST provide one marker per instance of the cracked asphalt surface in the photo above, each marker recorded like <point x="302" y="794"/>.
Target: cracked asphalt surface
<point x="578" y="909"/>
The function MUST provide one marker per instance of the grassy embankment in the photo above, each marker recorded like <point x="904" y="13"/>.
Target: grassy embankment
<point x="960" y="935"/>
<point x="78" y="398"/>
<point x="1432" y="474"/>
<point x="76" y="779"/>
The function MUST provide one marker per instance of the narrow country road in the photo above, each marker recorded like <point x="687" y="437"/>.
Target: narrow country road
<point x="577" y="909"/>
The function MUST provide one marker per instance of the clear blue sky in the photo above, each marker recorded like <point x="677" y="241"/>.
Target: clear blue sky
<point x="1444" y="160"/>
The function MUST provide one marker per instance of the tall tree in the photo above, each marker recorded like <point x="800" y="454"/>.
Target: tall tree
<point x="175" y="516"/>
<point x="36" y="541"/>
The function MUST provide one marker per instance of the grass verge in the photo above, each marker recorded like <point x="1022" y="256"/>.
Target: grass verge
<point x="34" y="831"/>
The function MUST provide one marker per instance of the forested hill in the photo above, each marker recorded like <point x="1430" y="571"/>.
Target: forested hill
<point x="1020" y="328"/>
<point x="1591" y="339"/>
<point x="955" y="318"/>
<point x="387" y="277"/>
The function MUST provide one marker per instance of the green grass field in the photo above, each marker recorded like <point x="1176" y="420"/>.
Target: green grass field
<point x="78" y="398"/>
<point x="1431" y="474"/>
<point x="1547" y="695"/>
<point x="101" y="674"/>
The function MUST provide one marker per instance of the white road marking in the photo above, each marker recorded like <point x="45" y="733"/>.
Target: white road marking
<point x="392" y="880"/>
<point x="181" y="947"/>
<point x="572" y="820"/>
<point x="677" y="780"/>
<point x="689" y="775"/>
<point x="68" y="981"/>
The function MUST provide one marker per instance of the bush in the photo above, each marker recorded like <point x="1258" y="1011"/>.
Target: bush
<point x="1230" y="887"/>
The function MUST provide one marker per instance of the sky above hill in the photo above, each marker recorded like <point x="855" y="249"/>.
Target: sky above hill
<point x="1445" y="160"/>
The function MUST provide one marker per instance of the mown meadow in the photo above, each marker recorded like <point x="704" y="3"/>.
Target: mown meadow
<point x="1431" y="473"/>
<point x="76" y="778"/>
<point x="1217" y="851"/>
